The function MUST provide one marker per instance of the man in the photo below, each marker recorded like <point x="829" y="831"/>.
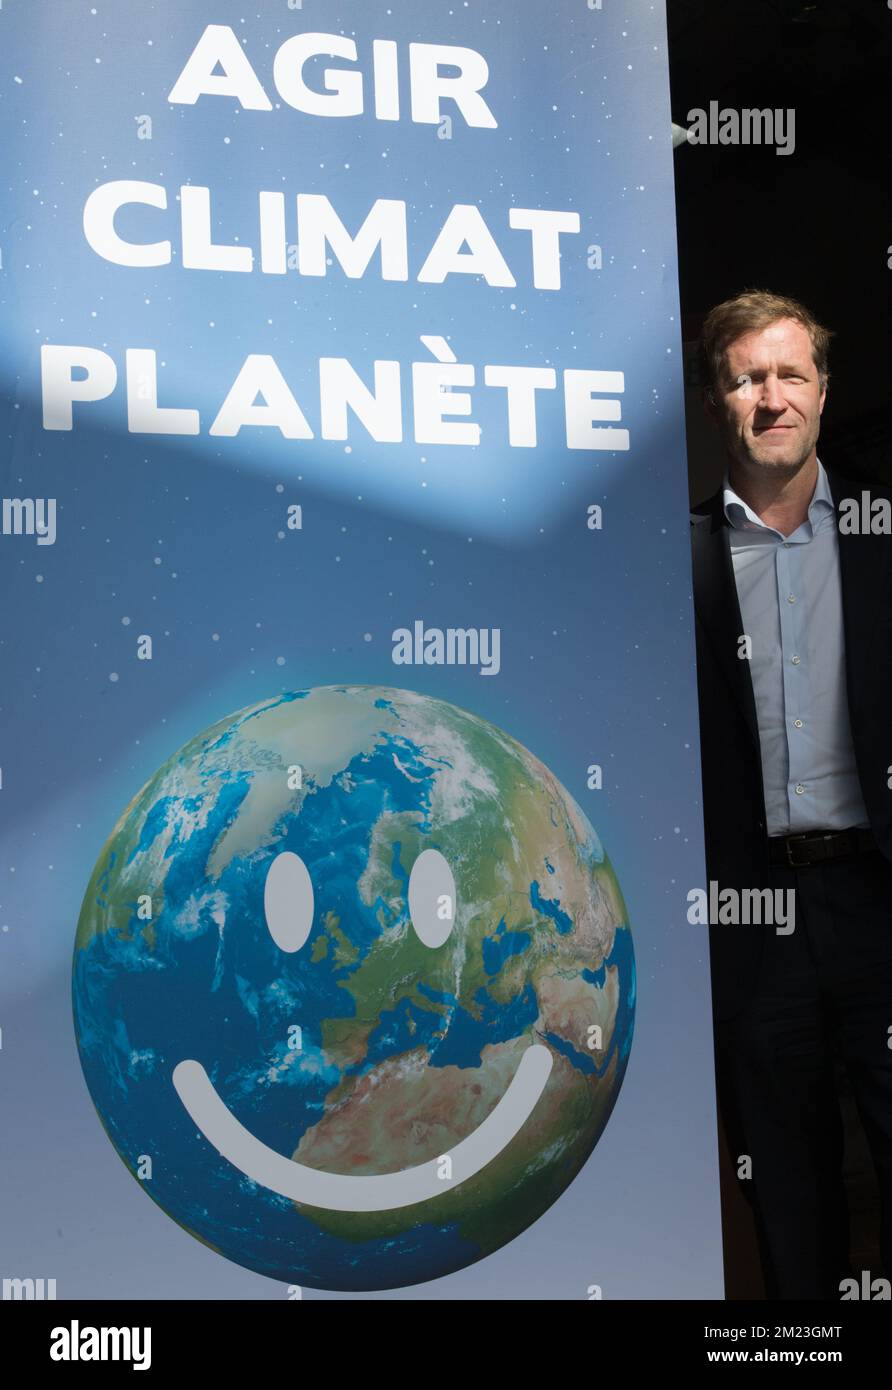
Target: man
<point x="794" y="658"/>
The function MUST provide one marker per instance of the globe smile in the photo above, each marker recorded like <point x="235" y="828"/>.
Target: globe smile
<point x="288" y="903"/>
<point x="382" y="1192"/>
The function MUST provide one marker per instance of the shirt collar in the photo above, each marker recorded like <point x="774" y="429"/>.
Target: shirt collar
<point x="742" y="517"/>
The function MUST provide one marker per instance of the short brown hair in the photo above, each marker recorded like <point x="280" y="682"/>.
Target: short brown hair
<point x="748" y="313"/>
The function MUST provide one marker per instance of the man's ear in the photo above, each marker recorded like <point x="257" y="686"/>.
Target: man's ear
<point x="707" y="400"/>
<point x="823" y="399"/>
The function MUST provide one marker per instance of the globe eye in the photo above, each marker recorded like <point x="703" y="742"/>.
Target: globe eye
<point x="288" y="901"/>
<point x="432" y="897"/>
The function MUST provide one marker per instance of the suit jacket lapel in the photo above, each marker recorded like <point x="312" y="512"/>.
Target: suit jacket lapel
<point x="717" y="607"/>
<point x="863" y="575"/>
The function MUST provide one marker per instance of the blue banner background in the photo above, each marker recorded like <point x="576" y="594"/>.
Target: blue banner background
<point x="186" y="538"/>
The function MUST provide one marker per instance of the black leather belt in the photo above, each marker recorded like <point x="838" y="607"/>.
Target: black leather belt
<point x="816" y="846"/>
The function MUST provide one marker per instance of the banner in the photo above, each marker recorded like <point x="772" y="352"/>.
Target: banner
<point x="350" y="767"/>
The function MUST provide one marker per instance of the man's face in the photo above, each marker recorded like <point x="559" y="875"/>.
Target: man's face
<point x="768" y="404"/>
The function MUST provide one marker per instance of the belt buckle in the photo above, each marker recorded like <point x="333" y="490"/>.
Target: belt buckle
<point x="792" y="862"/>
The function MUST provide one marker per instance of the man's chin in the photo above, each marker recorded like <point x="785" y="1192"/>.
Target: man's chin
<point x="785" y="457"/>
<point x="768" y="457"/>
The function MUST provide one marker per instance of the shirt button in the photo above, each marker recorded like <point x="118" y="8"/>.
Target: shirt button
<point x="799" y="789"/>
<point x="798" y="723"/>
<point x="795" y="660"/>
<point x="791" y="598"/>
<point x="786" y="545"/>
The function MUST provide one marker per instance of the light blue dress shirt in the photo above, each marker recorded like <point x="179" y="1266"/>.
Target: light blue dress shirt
<point x="791" y="605"/>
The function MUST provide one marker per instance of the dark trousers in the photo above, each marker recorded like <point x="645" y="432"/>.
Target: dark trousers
<point x="823" y="991"/>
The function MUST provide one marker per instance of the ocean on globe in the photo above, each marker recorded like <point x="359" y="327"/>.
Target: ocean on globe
<point x="361" y="1107"/>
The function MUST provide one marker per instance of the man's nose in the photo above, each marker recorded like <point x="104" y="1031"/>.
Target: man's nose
<point x="771" y="396"/>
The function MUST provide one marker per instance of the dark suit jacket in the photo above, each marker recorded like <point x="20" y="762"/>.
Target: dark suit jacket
<point x="733" y="803"/>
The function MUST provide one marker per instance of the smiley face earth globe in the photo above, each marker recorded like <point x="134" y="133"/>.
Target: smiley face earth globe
<point x="354" y="988"/>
